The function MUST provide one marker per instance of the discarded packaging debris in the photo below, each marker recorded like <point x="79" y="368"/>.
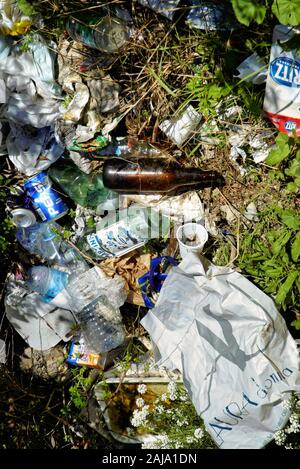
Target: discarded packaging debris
<point x="253" y="69"/>
<point x="253" y="368"/>
<point x="180" y="129"/>
<point x="282" y="101"/>
<point x="40" y="324"/>
<point x="151" y="282"/>
<point x="164" y="7"/>
<point x="210" y="16"/>
<point x="93" y="298"/>
<point x="122" y="232"/>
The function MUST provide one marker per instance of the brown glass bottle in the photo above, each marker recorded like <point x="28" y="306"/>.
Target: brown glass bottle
<point x="155" y="176"/>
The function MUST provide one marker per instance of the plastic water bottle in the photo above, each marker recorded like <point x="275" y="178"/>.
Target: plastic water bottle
<point x="99" y="320"/>
<point x="47" y="282"/>
<point x="43" y="240"/>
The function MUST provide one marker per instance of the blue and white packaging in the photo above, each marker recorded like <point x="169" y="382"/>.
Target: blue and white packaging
<point x="282" y="96"/>
<point x="46" y="201"/>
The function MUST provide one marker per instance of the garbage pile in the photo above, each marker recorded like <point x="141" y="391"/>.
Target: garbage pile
<point x="60" y="131"/>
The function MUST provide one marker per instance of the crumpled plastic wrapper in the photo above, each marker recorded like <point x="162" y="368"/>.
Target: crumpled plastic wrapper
<point x="32" y="150"/>
<point x="253" y="69"/>
<point x="164" y="7"/>
<point x="28" y="84"/>
<point x="246" y="136"/>
<point x="12" y="21"/>
<point x="184" y="207"/>
<point x="180" y="128"/>
<point x="130" y="267"/>
<point x="41" y="325"/>
<point x="91" y="96"/>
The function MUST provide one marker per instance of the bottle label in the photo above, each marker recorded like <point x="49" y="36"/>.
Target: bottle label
<point x="58" y="282"/>
<point x="115" y="240"/>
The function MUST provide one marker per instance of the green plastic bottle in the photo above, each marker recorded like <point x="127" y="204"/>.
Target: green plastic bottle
<point x="86" y="190"/>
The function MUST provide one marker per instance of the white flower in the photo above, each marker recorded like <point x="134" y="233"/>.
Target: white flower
<point x="139" y="417"/>
<point x="172" y="388"/>
<point x="198" y="433"/>
<point x="190" y="439"/>
<point x="139" y="402"/>
<point x="160" y="409"/>
<point x="164" y="397"/>
<point x="142" y="388"/>
<point x="280" y="437"/>
<point x="179" y="423"/>
<point x="184" y="398"/>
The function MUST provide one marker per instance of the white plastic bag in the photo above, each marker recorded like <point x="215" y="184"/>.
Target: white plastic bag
<point x="238" y="360"/>
<point x="42" y="325"/>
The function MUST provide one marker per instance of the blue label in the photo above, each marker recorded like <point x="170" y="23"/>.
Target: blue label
<point x="286" y="72"/>
<point x="58" y="282"/>
<point x="290" y="125"/>
<point x="46" y="200"/>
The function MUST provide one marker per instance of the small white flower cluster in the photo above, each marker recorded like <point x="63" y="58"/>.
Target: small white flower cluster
<point x="164" y="397"/>
<point x="294" y="424"/>
<point x="160" y="442"/>
<point x="288" y="404"/>
<point x="139" y="402"/>
<point x="280" y="437"/>
<point x="160" y="409"/>
<point x="172" y="389"/>
<point x="198" y="433"/>
<point x="139" y="417"/>
<point x="142" y="388"/>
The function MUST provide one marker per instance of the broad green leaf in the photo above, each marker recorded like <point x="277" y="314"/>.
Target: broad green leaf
<point x="278" y="154"/>
<point x="292" y="187"/>
<point x="298" y="155"/>
<point x="290" y="219"/>
<point x="294" y="169"/>
<point x="296" y="324"/>
<point x="296" y="248"/>
<point x="249" y="10"/>
<point x="281" y="242"/>
<point x="287" y="11"/>
<point x="285" y="287"/>
<point x="282" y="139"/>
<point x="26" y="8"/>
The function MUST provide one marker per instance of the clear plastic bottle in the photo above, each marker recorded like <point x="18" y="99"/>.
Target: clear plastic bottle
<point x="103" y="31"/>
<point x="47" y="282"/>
<point x="99" y="319"/>
<point x="43" y="239"/>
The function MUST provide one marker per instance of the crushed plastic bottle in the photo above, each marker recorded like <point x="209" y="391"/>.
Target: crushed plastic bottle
<point x="98" y="317"/>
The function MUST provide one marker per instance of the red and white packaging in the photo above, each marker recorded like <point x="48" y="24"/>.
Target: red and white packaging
<point x="282" y="96"/>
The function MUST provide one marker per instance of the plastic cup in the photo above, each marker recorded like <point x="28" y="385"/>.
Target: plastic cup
<point x="191" y="237"/>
